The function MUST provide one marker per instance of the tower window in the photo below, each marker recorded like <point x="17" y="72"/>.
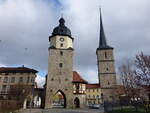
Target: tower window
<point x="61" y="53"/>
<point x="61" y="45"/>
<point x="52" y="79"/>
<point x="107" y="69"/>
<point x="61" y="65"/>
<point x="106" y="55"/>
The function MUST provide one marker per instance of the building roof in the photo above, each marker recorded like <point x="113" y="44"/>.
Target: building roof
<point x="16" y="70"/>
<point x="92" y="86"/>
<point x="61" y="29"/>
<point x="102" y="39"/>
<point x="77" y="78"/>
<point x="145" y="87"/>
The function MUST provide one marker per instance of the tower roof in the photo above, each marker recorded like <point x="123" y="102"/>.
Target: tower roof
<point x="102" y="38"/>
<point x="61" y="29"/>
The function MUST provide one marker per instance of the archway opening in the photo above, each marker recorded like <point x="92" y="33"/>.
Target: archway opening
<point x="37" y="102"/>
<point x="27" y="103"/>
<point x="59" y="100"/>
<point x="77" y="102"/>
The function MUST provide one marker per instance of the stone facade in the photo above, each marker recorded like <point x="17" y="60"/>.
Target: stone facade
<point x="59" y="76"/>
<point x="107" y="74"/>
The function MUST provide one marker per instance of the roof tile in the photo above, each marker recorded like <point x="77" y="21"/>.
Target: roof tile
<point x="78" y="78"/>
<point x="16" y="70"/>
<point x="90" y="86"/>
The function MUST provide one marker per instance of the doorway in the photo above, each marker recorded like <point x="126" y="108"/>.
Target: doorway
<point x="77" y="102"/>
<point x="59" y="100"/>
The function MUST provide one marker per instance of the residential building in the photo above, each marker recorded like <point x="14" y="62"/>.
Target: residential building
<point x="16" y="83"/>
<point x="93" y="94"/>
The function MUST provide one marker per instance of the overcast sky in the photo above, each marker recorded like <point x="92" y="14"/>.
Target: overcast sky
<point x="25" y="26"/>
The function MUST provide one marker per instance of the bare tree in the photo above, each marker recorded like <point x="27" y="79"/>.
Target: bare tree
<point x="128" y="78"/>
<point x="135" y="74"/>
<point x="20" y="92"/>
<point x="15" y="97"/>
<point x="142" y="71"/>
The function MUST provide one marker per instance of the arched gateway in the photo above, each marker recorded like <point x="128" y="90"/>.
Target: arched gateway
<point x="59" y="100"/>
<point x="60" y="66"/>
<point x="77" y="102"/>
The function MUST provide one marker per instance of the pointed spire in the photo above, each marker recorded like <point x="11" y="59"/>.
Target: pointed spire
<point x="102" y="38"/>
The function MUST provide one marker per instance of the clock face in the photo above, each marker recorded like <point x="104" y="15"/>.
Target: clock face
<point x="61" y="39"/>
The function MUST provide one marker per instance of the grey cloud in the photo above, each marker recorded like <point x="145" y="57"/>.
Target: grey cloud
<point x="28" y="25"/>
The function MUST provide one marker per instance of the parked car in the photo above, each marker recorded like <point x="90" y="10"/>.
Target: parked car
<point x="94" y="106"/>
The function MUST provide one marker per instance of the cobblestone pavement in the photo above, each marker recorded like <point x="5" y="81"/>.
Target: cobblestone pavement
<point x="62" y="111"/>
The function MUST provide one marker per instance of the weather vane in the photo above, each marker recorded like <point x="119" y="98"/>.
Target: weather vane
<point x="100" y="8"/>
<point x="61" y="12"/>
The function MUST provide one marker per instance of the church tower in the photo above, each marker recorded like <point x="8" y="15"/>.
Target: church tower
<point x="60" y="67"/>
<point x="106" y="68"/>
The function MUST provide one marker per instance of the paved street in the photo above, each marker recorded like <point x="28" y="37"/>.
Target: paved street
<point x="62" y="111"/>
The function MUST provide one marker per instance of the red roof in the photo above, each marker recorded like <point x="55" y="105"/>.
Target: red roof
<point x="93" y="85"/>
<point x="16" y="69"/>
<point x="77" y="78"/>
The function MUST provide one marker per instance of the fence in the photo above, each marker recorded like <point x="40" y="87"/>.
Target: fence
<point x="121" y="105"/>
